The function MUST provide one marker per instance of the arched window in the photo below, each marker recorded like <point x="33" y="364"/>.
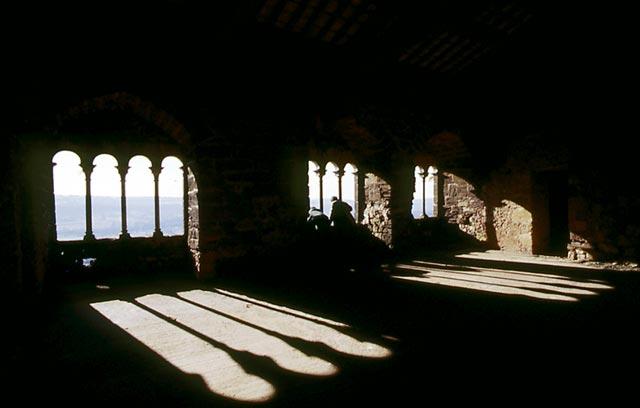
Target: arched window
<point x="314" y="185"/>
<point x="425" y="195"/>
<point x="349" y="186"/>
<point x="418" y="203"/>
<point x="431" y="193"/>
<point x="69" y="192"/>
<point x="140" y="197"/>
<point x="329" y="186"/>
<point x="171" y="193"/>
<point x="106" y="208"/>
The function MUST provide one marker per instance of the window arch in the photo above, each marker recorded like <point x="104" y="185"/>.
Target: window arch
<point x="69" y="189"/>
<point x="105" y="197"/>
<point x="315" y="198"/>
<point x="425" y="194"/>
<point x="431" y="191"/>
<point x="330" y="186"/>
<point x="418" y="204"/>
<point x="331" y="180"/>
<point x="171" y="193"/>
<point x="140" y="194"/>
<point x="349" y="185"/>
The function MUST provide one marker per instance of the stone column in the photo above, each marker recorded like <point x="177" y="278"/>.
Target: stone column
<point x="358" y="195"/>
<point x="87" y="167"/>
<point x="122" y="170"/>
<point x="423" y="176"/>
<point x="156" y="169"/>
<point x="339" y="173"/>
<point x="438" y="194"/>
<point x="53" y="233"/>
<point x="185" y="201"/>
<point x="320" y="173"/>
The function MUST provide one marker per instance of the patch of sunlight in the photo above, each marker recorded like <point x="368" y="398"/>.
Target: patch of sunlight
<point x="283" y="309"/>
<point x="285" y="323"/>
<point x="487" y="287"/>
<point x="236" y="335"/>
<point x="190" y="354"/>
<point x="497" y="255"/>
<point x="430" y="263"/>
<point x="480" y="278"/>
<point x="509" y="279"/>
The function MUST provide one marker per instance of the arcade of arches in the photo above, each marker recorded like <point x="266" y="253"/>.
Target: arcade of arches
<point x="184" y="145"/>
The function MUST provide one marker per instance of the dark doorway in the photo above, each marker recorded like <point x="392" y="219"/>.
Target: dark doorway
<point x="558" y="212"/>
<point x="550" y="213"/>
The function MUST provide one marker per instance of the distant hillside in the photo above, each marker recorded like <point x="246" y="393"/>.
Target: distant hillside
<point x="70" y="216"/>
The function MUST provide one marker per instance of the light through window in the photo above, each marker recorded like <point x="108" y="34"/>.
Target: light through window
<point x="69" y="193"/>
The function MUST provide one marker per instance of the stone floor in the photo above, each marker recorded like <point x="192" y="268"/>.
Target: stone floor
<point x="490" y="327"/>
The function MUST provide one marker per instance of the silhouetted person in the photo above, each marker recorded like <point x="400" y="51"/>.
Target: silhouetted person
<point x="317" y="220"/>
<point x="341" y="214"/>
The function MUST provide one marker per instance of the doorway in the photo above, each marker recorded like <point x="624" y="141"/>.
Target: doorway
<point x="551" y="218"/>
<point x="558" y="213"/>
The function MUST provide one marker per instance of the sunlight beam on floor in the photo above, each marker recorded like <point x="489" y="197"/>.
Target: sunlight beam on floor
<point x="285" y="324"/>
<point x="515" y="275"/>
<point x="486" y="287"/>
<point x="481" y="277"/>
<point x="190" y="354"/>
<point x="503" y="256"/>
<point x="236" y="335"/>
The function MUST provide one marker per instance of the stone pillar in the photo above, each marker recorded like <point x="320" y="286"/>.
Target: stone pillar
<point x="53" y="233"/>
<point x="438" y="195"/>
<point x="339" y="173"/>
<point x="359" y="195"/>
<point x="193" y="224"/>
<point x="320" y="173"/>
<point x="87" y="167"/>
<point x="435" y="193"/>
<point x="122" y="170"/>
<point x="402" y="181"/>
<point x="377" y="213"/>
<point x="423" y="176"/>
<point x="156" y="169"/>
<point x="185" y="201"/>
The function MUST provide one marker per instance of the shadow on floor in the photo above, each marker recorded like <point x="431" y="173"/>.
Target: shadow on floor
<point x="444" y="340"/>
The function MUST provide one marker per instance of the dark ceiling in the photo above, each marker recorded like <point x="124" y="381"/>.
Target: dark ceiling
<point x="447" y="56"/>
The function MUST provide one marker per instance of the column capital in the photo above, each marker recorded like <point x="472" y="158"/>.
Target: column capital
<point x="87" y="167"/>
<point x="123" y="169"/>
<point x="156" y="169"/>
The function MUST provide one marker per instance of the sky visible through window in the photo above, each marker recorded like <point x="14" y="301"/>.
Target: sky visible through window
<point x="69" y="190"/>
<point x="419" y="188"/>
<point x="330" y="186"/>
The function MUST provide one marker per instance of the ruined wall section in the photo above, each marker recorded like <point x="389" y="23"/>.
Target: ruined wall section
<point x="463" y="207"/>
<point x="377" y="210"/>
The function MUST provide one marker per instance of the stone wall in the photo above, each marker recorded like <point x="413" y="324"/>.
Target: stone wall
<point x="513" y="225"/>
<point x="193" y="218"/>
<point x="37" y="215"/>
<point x="377" y="210"/>
<point x="463" y="207"/>
<point x="604" y="215"/>
<point x="246" y="192"/>
<point x="10" y="219"/>
<point x="508" y="195"/>
<point x="517" y="196"/>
